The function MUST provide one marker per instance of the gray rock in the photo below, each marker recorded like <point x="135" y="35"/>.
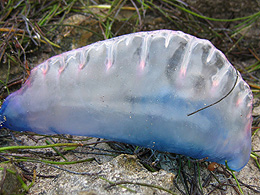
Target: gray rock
<point x="122" y="168"/>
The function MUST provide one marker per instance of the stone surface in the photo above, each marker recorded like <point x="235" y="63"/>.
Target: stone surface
<point x="9" y="183"/>
<point x="122" y="168"/>
<point x="256" y="111"/>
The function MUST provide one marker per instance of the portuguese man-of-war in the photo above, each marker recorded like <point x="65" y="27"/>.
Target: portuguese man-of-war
<point x="140" y="89"/>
